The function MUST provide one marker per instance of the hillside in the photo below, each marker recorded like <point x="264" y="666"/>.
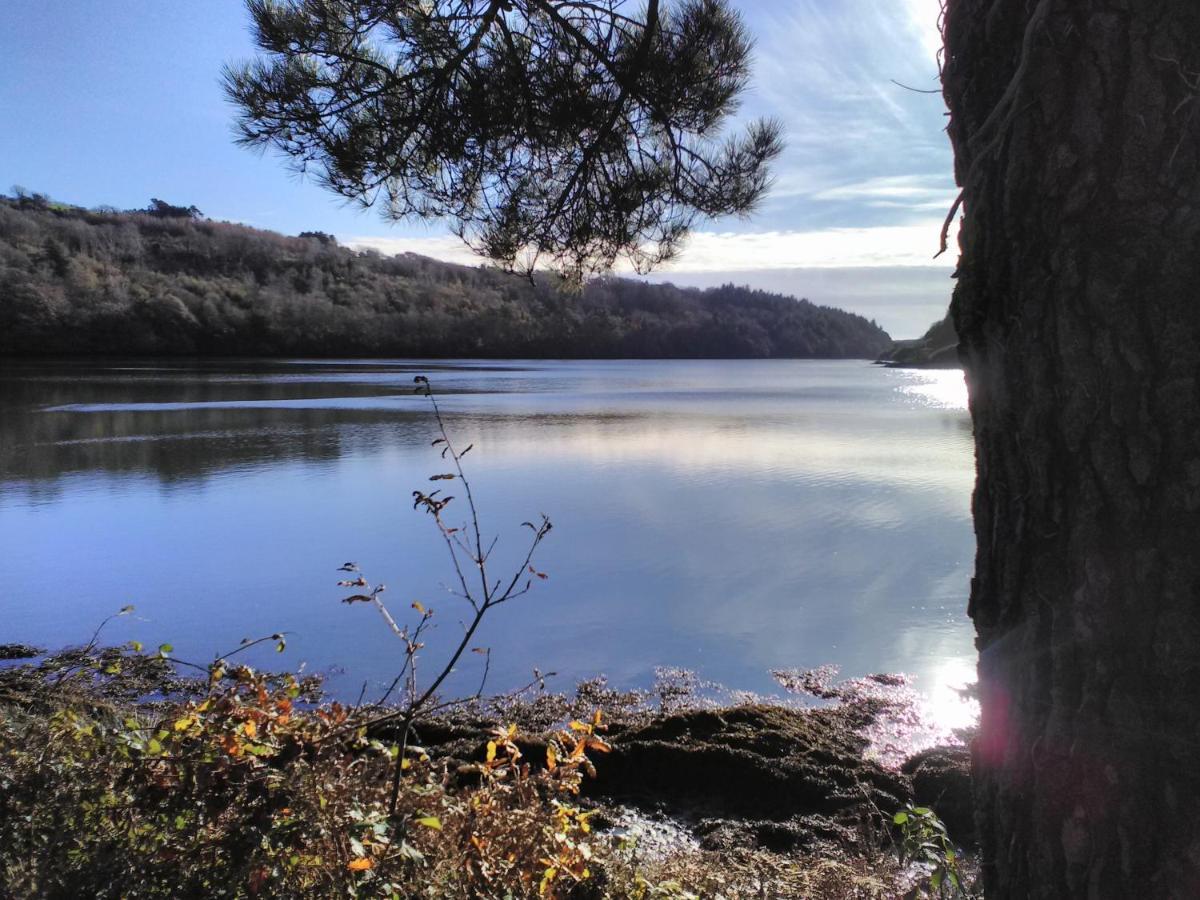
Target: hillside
<point x="936" y="349"/>
<point x="167" y="282"/>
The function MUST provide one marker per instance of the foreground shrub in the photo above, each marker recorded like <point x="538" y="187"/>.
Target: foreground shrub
<point x="243" y="789"/>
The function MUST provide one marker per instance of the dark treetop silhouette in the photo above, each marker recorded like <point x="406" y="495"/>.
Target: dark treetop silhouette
<point x="573" y="132"/>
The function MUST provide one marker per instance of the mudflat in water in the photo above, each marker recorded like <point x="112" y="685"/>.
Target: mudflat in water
<point x="728" y="517"/>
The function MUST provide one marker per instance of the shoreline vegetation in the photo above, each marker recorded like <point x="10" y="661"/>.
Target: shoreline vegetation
<point x="937" y="348"/>
<point x="123" y="774"/>
<point x="164" y="281"/>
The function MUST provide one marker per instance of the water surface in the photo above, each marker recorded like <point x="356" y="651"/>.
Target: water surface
<point x="726" y="517"/>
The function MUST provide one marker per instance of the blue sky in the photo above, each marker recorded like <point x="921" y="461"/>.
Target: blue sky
<point x="118" y="101"/>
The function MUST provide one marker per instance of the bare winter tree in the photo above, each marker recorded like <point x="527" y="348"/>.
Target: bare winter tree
<point x="1076" y="130"/>
<point x="569" y="131"/>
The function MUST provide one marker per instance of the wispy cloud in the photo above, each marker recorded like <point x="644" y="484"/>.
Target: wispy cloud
<point x="827" y="70"/>
<point x="893" y="188"/>
<point x="706" y="251"/>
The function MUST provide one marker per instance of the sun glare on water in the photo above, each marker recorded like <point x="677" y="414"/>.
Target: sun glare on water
<point x="945" y="705"/>
<point x="938" y="388"/>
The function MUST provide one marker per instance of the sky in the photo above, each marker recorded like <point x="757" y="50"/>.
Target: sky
<point x="112" y="102"/>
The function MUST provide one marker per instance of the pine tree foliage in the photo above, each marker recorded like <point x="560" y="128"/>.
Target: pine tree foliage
<point x="569" y="132"/>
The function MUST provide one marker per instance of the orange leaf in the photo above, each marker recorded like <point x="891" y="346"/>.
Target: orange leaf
<point x="250" y="728"/>
<point x="359" y="865"/>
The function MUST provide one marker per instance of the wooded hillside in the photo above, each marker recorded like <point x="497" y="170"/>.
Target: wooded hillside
<point x="167" y="282"/>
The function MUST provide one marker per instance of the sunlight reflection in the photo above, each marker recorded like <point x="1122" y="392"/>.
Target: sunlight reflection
<point x="945" y="706"/>
<point x="937" y="388"/>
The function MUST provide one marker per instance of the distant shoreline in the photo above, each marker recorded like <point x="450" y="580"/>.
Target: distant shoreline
<point x="141" y="283"/>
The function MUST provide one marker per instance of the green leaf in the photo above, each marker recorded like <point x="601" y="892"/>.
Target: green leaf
<point x="154" y="747"/>
<point x="136" y="646"/>
<point x="164" y="649"/>
<point x="900" y="818"/>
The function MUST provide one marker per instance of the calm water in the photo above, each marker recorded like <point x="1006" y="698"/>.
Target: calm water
<point x="728" y="517"/>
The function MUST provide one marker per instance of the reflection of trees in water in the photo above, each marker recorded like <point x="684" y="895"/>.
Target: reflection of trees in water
<point x="181" y="444"/>
<point x="179" y="422"/>
<point x="55" y="423"/>
<point x="41" y="386"/>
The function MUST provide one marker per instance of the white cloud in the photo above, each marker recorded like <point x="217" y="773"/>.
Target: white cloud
<point x="447" y="248"/>
<point x="926" y="17"/>
<point x="896" y="245"/>
<point x="914" y="189"/>
<point x="706" y="251"/>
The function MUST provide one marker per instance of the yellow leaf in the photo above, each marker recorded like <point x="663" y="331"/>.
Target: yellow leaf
<point x="184" y="724"/>
<point x="359" y="865"/>
<point x="430" y="822"/>
<point x="596" y="719"/>
<point x="551" y="757"/>
<point x="250" y="728"/>
<point x="580" y="726"/>
<point x="491" y="751"/>
<point x="419" y="607"/>
<point x="405" y="764"/>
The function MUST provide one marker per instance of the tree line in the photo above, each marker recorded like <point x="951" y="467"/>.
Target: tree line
<point x="165" y="281"/>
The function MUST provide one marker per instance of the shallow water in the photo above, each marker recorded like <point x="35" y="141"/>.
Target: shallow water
<point x="727" y="517"/>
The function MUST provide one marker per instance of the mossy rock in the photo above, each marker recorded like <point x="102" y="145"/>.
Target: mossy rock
<point x="748" y="762"/>
<point x="941" y="779"/>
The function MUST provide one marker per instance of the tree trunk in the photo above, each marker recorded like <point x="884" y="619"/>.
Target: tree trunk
<point x="1076" y="129"/>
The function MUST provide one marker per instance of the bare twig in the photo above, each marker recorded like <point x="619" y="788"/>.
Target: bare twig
<point x="491" y="592"/>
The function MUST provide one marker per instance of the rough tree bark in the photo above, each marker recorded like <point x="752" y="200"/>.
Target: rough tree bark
<point x="1076" y="130"/>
